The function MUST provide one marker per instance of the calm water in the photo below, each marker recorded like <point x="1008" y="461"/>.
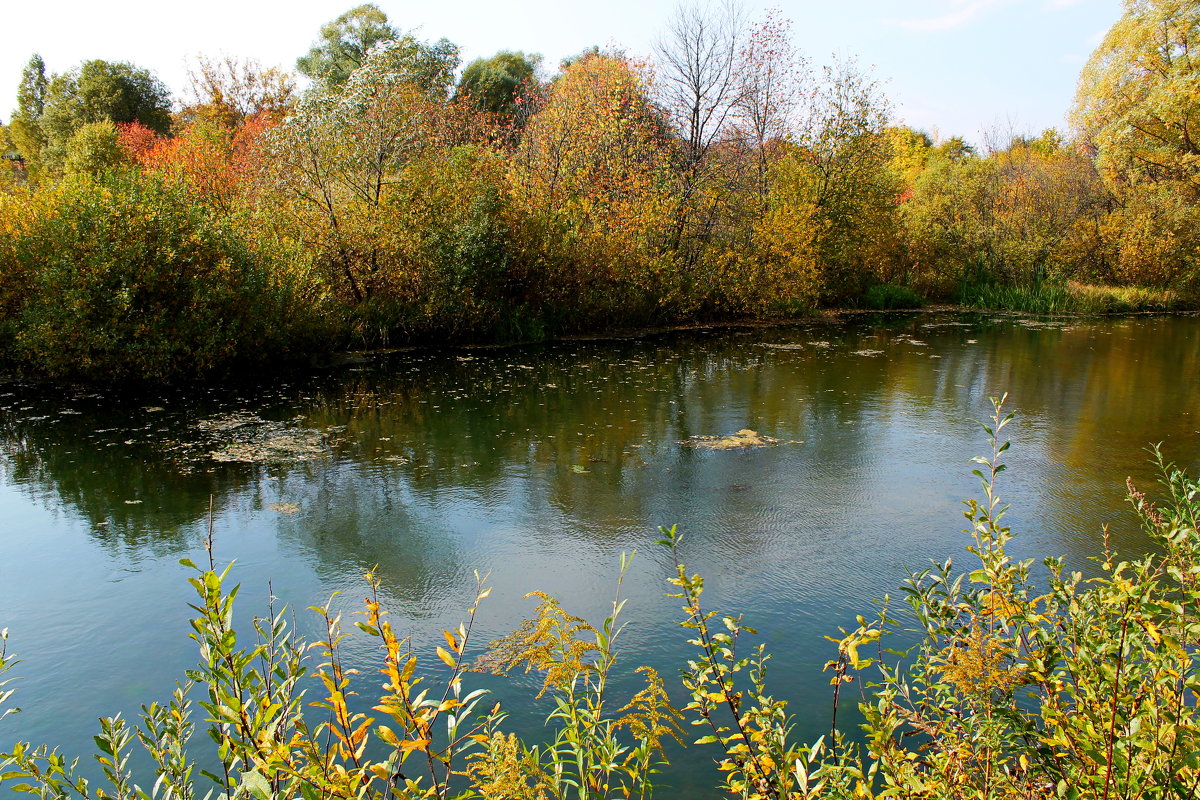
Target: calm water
<point x="540" y="465"/>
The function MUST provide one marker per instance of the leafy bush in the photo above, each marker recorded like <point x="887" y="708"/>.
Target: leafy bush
<point x="886" y="296"/>
<point x="129" y="279"/>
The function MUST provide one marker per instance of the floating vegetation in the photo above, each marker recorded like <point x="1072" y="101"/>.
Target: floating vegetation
<point x="285" y="508"/>
<point x="867" y="352"/>
<point x="744" y="438"/>
<point x="247" y="438"/>
<point x="773" y="346"/>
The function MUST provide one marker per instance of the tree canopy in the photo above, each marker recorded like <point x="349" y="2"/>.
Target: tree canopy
<point x="495" y="84"/>
<point x="346" y="42"/>
<point x="99" y="91"/>
<point x="1139" y="95"/>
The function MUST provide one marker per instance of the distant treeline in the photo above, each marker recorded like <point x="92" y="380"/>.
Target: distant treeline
<point x="398" y="199"/>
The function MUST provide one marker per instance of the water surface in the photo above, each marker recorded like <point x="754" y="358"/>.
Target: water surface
<point x="539" y="465"/>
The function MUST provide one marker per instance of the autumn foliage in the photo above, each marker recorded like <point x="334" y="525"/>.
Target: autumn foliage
<point x="627" y="192"/>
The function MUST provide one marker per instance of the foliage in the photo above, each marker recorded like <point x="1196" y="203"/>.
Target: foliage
<point x="1138" y="98"/>
<point x="128" y="279"/>
<point x="886" y="296"/>
<point x="730" y="177"/>
<point x="347" y="42"/>
<point x="423" y="739"/>
<point x="25" y="125"/>
<point x="344" y="44"/>
<point x="591" y="180"/>
<point x="93" y="150"/>
<point x="231" y="91"/>
<point x="1026" y="214"/>
<point x="99" y="91"/>
<point x="366" y="178"/>
<point x="498" y="84"/>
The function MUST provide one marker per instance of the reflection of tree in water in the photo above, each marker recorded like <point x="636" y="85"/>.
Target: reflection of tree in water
<point x="112" y="470"/>
<point x="587" y="432"/>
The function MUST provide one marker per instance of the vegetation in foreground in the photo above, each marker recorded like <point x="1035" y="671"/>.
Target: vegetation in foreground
<point x="1013" y="689"/>
<point x="149" y="237"/>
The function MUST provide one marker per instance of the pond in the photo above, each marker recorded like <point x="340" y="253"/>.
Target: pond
<point x="539" y="465"/>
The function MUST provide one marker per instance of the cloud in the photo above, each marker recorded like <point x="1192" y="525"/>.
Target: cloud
<point x="954" y="19"/>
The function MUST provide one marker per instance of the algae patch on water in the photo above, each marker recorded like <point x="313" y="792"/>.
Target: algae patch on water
<point x="744" y="438"/>
<point x="247" y="438"/>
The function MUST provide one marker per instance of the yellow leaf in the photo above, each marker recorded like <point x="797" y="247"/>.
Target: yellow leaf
<point x="414" y="744"/>
<point x="444" y="656"/>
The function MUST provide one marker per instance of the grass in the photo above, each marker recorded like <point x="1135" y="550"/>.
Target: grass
<point x="1071" y="298"/>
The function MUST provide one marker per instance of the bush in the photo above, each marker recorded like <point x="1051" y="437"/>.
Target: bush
<point x="886" y="296"/>
<point x="128" y="279"/>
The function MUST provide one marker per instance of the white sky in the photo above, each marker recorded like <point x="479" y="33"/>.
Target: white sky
<point x="960" y="66"/>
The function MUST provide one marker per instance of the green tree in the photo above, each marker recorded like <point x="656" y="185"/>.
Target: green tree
<point x="1139" y="96"/>
<point x="96" y="91"/>
<point x="497" y="83"/>
<point x="25" y="128"/>
<point x="94" y="150"/>
<point x="346" y="42"/>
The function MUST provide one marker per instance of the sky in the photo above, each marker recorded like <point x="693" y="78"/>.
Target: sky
<point x="951" y="67"/>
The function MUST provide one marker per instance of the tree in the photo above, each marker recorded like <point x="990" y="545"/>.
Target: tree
<point x="1138" y="101"/>
<point x="592" y="178"/>
<point x="336" y="158"/>
<point x="230" y="90"/>
<point x="853" y="187"/>
<point x="497" y="84"/>
<point x="774" y="84"/>
<point x="93" y="150"/>
<point x="346" y="42"/>
<point x="699" y="55"/>
<point x="25" y="128"/>
<point x="96" y="91"/>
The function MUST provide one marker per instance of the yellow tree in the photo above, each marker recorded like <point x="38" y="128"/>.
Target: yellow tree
<point x="591" y="178"/>
<point x="1139" y="96"/>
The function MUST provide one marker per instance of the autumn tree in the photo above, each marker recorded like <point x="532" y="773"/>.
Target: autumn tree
<point x="93" y="150"/>
<point x="774" y="91"/>
<point x="846" y="151"/>
<point x="25" y="127"/>
<point x="230" y="90"/>
<point x="1138" y="107"/>
<point x="592" y="177"/>
<point x="1025" y="214"/>
<point x="1138" y="101"/>
<point x="338" y="156"/>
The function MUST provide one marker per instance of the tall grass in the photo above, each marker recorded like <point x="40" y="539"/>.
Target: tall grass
<point x="1070" y="298"/>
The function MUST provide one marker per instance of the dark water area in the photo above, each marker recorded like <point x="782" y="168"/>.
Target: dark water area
<point x="539" y="465"/>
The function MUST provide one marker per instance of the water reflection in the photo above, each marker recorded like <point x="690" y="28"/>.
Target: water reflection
<point x="540" y="464"/>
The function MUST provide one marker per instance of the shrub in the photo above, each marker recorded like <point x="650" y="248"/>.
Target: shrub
<point x="886" y="296"/>
<point x="129" y="279"/>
